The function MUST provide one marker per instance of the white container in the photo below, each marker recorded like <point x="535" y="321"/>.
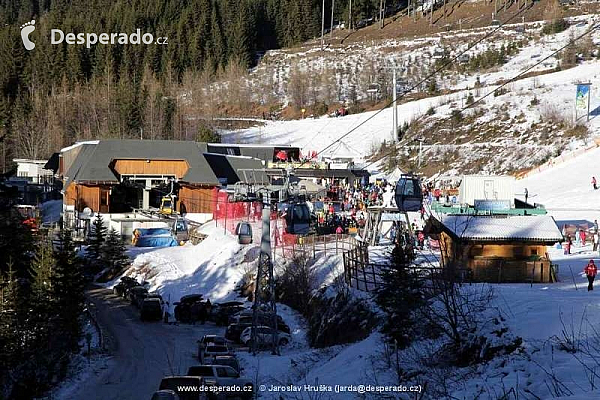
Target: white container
<point x="486" y="187"/>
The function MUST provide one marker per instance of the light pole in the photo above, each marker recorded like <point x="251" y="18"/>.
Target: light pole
<point x="420" y="140"/>
<point x="323" y="26"/>
<point x="332" y="8"/>
<point x="395" y="109"/>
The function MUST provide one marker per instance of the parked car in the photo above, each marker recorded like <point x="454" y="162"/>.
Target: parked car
<point x="124" y="284"/>
<point x="264" y="336"/>
<point x="230" y="361"/>
<point x="222" y="375"/>
<point x="140" y="299"/>
<point x="213" y="350"/>
<point x="178" y="384"/>
<point x="165" y="394"/>
<point x="220" y="312"/>
<point x="135" y="293"/>
<point x="210" y="340"/>
<point x="263" y="319"/>
<point x="183" y="307"/>
<point x="151" y="310"/>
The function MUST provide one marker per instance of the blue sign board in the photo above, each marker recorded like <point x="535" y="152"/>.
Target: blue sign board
<point x="492" y="205"/>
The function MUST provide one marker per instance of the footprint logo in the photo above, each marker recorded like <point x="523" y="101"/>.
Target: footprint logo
<point x="26" y="29"/>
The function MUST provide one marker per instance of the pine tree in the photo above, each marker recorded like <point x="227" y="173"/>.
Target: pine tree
<point x="10" y="329"/>
<point x="67" y="290"/>
<point x="42" y="269"/>
<point x="399" y="296"/>
<point x="113" y="252"/>
<point x="98" y="236"/>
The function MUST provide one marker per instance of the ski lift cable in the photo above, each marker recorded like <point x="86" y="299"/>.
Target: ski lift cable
<point x="514" y="78"/>
<point x="592" y="29"/>
<point x="445" y="65"/>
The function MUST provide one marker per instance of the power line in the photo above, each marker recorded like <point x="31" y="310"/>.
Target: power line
<point x="593" y="28"/>
<point x="429" y="76"/>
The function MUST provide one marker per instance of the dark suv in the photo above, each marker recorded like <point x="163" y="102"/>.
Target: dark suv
<point x="151" y="310"/>
<point x="124" y="284"/>
<point x="183" y="307"/>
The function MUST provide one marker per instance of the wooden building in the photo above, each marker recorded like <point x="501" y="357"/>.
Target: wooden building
<point x="498" y="248"/>
<point x="116" y="176"/>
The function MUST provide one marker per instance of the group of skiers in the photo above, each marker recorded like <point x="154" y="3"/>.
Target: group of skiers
<point x="580" y="236"/>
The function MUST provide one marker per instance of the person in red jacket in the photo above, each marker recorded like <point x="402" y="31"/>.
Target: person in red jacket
<point x="582" y="236"/>
<point x="591" y="271"/>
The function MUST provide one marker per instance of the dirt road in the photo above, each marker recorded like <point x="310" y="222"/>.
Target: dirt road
<point x="142" y="352"/>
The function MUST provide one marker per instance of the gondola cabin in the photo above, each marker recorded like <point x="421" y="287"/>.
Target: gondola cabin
<point x="244" y="232"/>
<point x="297" y="218"/>
<point x="409" y="196"/>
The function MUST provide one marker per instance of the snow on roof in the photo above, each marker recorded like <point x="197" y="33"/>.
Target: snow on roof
<point x="540" y="228"/>
<point x="64" y="149"/>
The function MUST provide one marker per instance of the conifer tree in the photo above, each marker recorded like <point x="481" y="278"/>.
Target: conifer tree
<point x="399" y="295"/>
<point x="97" y="238"/>
<point x="42" y="269"/>
<point x="10" y="329"/>
<point x="67" y="290"/>
<point x="113" y="251"/>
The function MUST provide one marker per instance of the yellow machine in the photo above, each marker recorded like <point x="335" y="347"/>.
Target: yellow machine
<point x="167" y="205"/>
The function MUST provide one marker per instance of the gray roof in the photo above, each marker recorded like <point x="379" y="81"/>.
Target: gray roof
<point x="231" y="168"/>
<point x="533" y="228"/>
<point x="92" y="162"/>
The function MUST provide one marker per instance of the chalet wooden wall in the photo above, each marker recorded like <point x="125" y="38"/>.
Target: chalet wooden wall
<point x="197" y="199"/>
<point x="96" y="197"/>
<point x="152" y="167"/>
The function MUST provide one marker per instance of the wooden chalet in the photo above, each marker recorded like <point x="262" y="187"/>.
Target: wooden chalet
<point x="497" y="248"/>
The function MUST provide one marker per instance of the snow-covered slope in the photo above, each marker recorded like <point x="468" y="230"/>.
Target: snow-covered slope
<point x="213" y="267"/>
<point x="516" y="129"/>
<point x="566" y="189"/>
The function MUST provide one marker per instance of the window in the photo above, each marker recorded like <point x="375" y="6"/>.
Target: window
<point x="222" y="372"/>
<point x="534" y="252"/>
<point x="103" y="198"/>
<point x="409" y="188"/>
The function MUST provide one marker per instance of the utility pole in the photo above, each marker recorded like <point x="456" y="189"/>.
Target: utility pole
<point x="332" y="9"/>
<point x="350" y="16"/>
<point x="431" y="13"/>
<point x="323" y="26"/>
<point x="395" y="109"/>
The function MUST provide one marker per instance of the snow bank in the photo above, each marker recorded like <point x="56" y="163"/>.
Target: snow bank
<point x="213" y="267"/>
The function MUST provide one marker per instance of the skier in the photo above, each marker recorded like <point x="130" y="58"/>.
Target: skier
<point x="590" y="271"/>
<point x="421" y="239"/>
<point x="526" y="195"/>
<point x="583" y="236"/>
<point x="595" y="240"/>
<point x="422" y="213"/>
<point x="578" y="238"/>
<point x="596" y="225"/>
<point x="594" y="183"/>
<point x="568" y="245"/>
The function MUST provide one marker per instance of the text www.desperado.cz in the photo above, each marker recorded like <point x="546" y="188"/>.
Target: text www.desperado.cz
<point x="214" y="389"/>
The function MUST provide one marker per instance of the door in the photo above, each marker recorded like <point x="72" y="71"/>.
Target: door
<point x="488" y="189"/>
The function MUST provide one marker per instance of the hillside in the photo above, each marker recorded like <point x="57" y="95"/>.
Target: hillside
<point x="522" y="125"/>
